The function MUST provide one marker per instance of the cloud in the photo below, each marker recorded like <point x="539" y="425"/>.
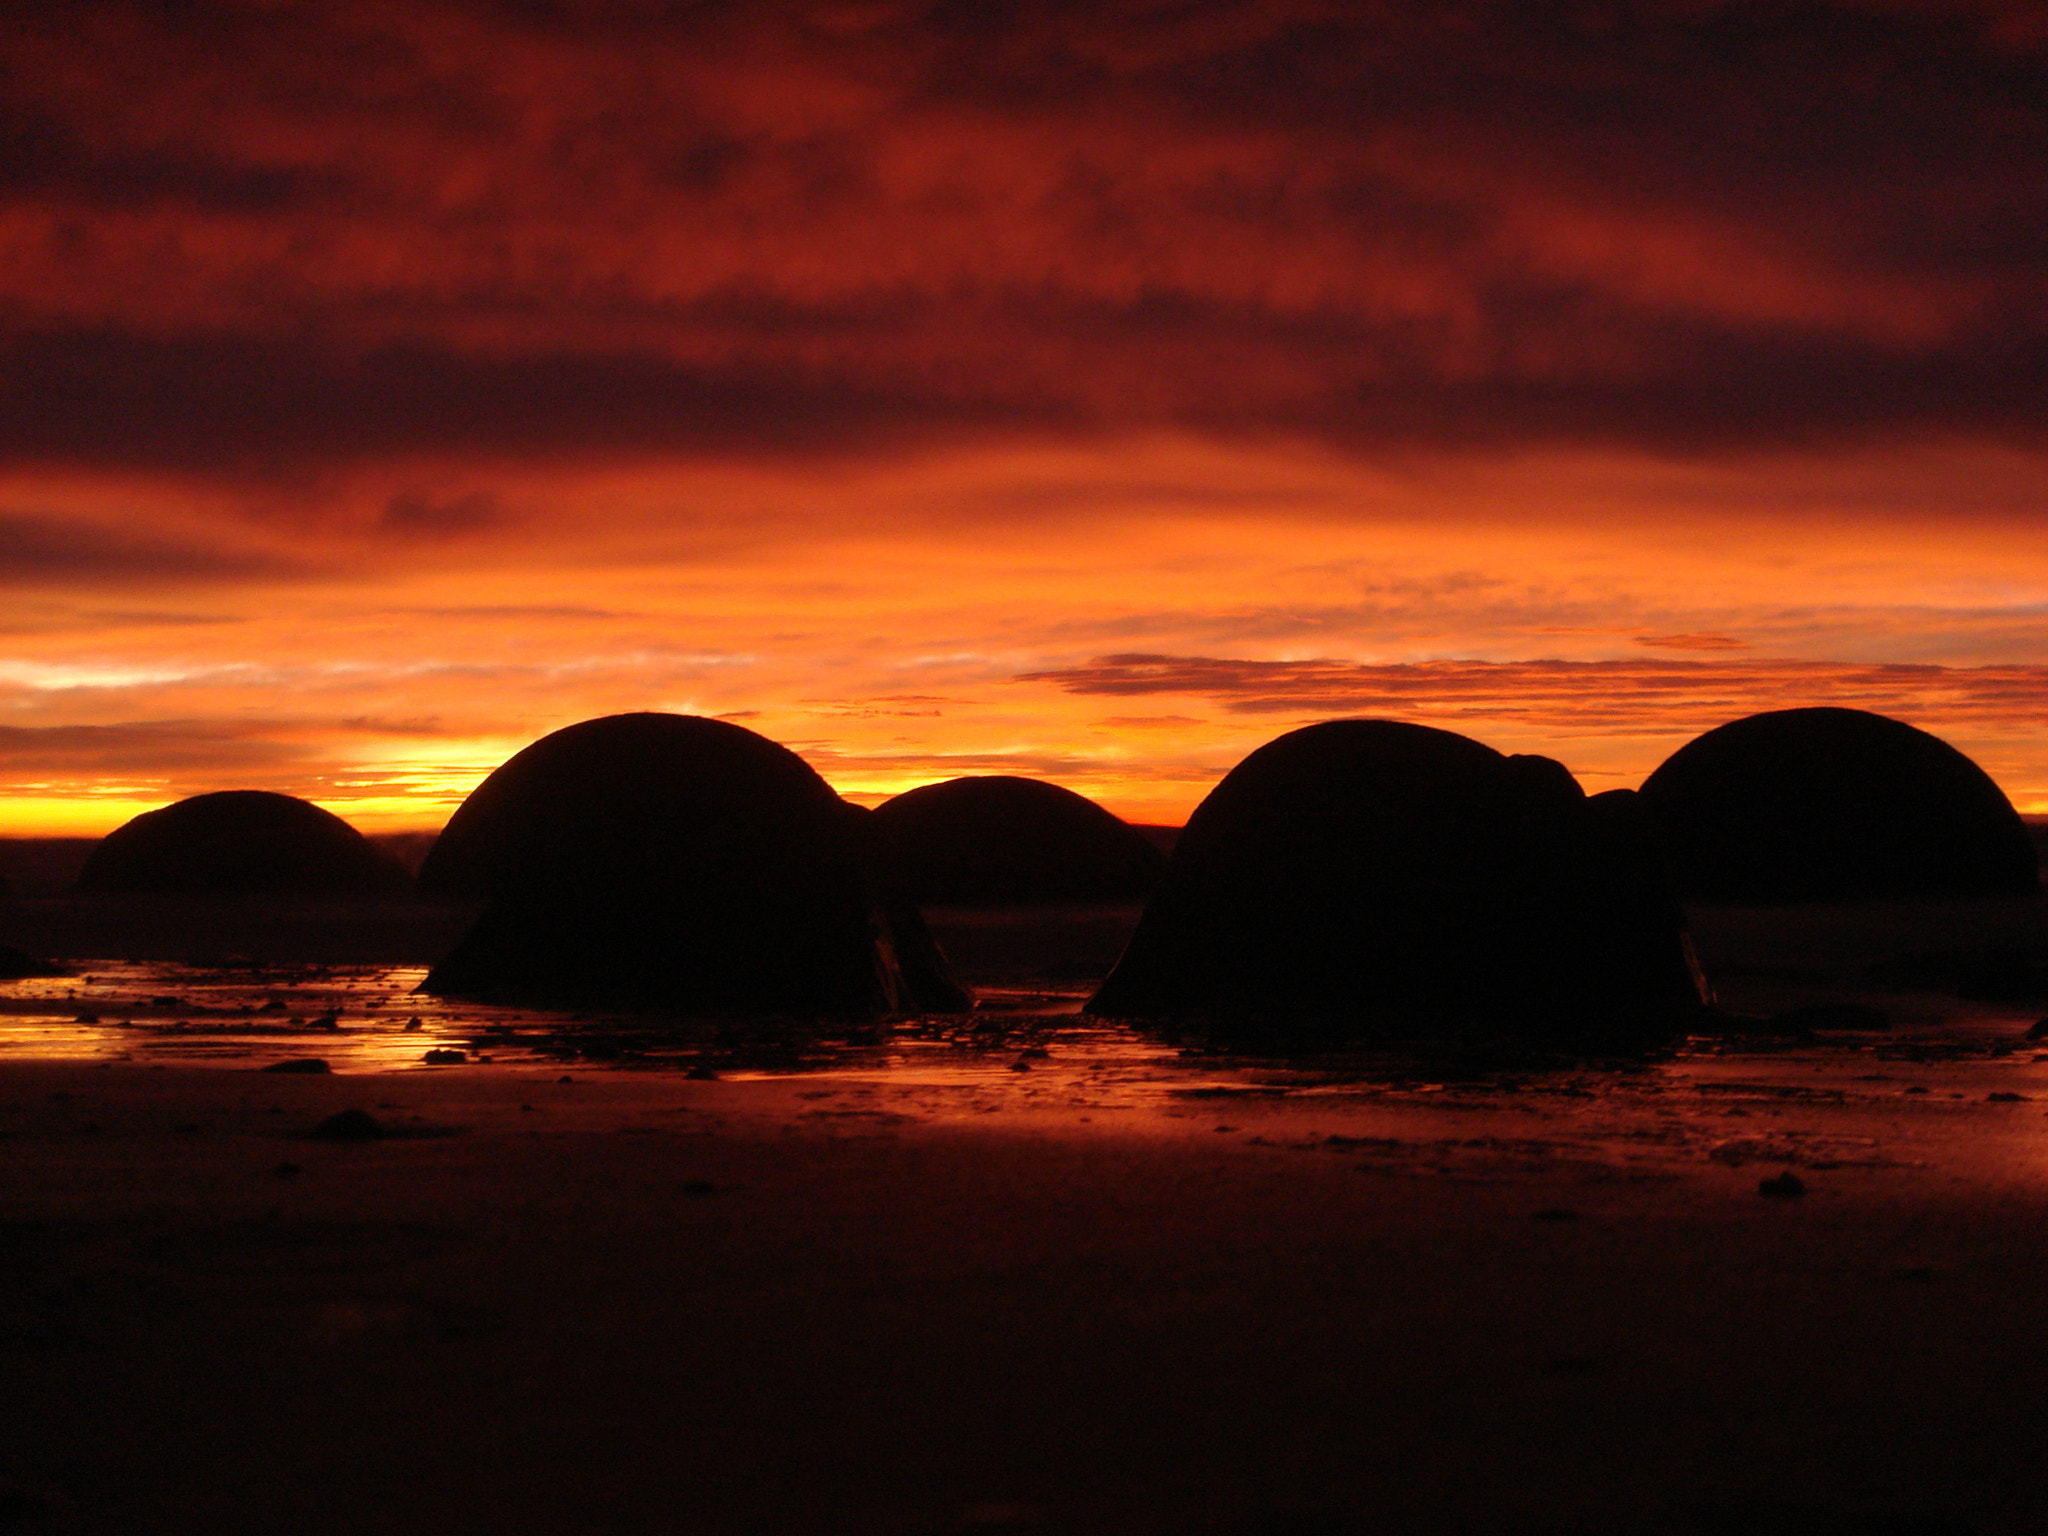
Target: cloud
<point x="803" y="228"/>
<point x="153" y="750"/>
<point x="1566" y="697"/>
<point x="52" y="552"/>
<point x="1692" y="642"/>
<point x="415" y="514"/>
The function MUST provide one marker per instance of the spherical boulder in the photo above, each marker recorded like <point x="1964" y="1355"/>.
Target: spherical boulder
<point x="999" y="840"/>
<point x="240" y="842"/>
<point x="1378" y="877"/>
<point x="1803" y="805"/>
<point x="674" y="862"/>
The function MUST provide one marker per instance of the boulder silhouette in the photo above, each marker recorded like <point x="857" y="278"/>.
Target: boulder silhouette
<point x="674" y="862"/>
<point x="999" y="840"/>
<point x="240" y="842"/>
<point x="1834" y="805"/>
<point x="1378" y="877"/>
<point x="19" y="965"/>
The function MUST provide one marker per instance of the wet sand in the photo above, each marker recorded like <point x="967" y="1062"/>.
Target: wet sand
<point x="1016" y="1272"/>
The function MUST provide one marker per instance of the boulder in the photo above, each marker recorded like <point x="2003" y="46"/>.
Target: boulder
<point x="1804" y="805"/>
<point x="1001" y="840"/>
<point x="657" y="861"/>
<point x="1378" y="877"/>
<point x="19" y="965"/>
<point x="241" y="842"/>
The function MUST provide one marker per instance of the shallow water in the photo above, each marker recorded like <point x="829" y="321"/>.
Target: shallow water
<point x="1821" y="1104"/>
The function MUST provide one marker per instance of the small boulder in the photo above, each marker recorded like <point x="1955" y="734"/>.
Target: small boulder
<point x="240" y="843"/>
<point x="1003" y="840"/>
<point x="18" y="965"/>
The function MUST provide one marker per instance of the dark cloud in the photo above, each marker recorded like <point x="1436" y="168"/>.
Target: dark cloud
<point x="1630" y="697"/>
<point x="251" y="237"/>
<point x="415" y="514"/>
<point x="50" y="621"/>
<point x="265" y="406"/>
<point x="523" y="613"/>
<point x="45" y="552"/>
<point x="1692" y="642"/>
<point x="152" y="749"/>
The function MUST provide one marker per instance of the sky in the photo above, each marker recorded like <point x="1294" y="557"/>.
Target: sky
<point x="1091" y="391"/>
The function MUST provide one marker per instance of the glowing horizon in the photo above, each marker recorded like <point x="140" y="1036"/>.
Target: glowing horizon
<point x="1083" y="392"/>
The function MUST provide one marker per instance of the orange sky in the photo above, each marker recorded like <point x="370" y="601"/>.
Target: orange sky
<point x="1088" y="392"/>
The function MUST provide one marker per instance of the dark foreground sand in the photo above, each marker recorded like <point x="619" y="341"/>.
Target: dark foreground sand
<point x="638" y="1303"/>
<point x="915" y="1289"/>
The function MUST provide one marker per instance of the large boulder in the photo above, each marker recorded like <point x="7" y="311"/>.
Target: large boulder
<point x="1000" y="840"/>
<point x="1834" y="805"/>
<point x="1377" y="877"/>
<point x="240" y="842"/>
<point x="673" y="862"/>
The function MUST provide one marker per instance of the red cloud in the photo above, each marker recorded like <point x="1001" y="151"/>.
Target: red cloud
<point x="1634" y="697"/>
<point x="241" y="235"/>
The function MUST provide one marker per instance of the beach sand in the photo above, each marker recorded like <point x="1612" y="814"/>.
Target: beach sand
<point x="915" y="1289"/>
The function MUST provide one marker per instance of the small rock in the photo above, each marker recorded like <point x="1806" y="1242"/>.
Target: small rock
<point x="699" y="1073"/>
<point x="325" y="1021"/>
<point x="445" y="1056"/>
<point x="1786" y="1186"/>
<point x="275" y="1005"/>
<point x="1914" y="1088"/>
<point x="307" y="1064"/>
<point x="1020" y="1065"/>
<point x="86" y="1018"/>
<point x="412" y="1024"/>
<point x="348" y="1125"/>
<point x="2006" y="1098"/>
<point x="2039" y="1030"/>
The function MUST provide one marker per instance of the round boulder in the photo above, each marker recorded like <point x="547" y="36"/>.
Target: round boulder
<point x="1378" y="877"/>
<point x="674" y="862"/>
<point x="1001" y="840"/>
<point x="240" y="842"/>
<point x="1834" y="805"/>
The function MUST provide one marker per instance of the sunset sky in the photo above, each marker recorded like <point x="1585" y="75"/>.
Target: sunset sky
<point x="1090" y="391"/>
